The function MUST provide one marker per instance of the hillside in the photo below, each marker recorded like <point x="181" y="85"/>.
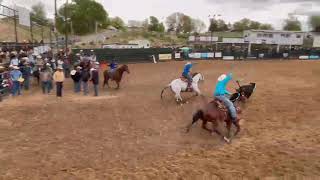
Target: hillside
<point x="7" y="32"/>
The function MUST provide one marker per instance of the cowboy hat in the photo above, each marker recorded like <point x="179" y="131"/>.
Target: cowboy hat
<point x="60" y="67"/>
<point x="222" y="77"/>
<point x="97" y="63"/>
<point x="48" y="64"/>
<point x="1" y="67"/>
<point x="91" y="50"/>
<point x="79" y="67"/>
<point x="25" y="58"/>
<point x="73" y="72"/>
<point x="78" y="54"/>
<point x="39" y="57"/>
<point x="21" y="79"/>
<point x="16" y="67"/>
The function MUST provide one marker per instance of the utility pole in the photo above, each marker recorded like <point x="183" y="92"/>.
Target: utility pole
<point x="55" y="18"/>
<point x="31" y="31"/>
<point x="15" y="25"/>
<point x="66" y="26"/>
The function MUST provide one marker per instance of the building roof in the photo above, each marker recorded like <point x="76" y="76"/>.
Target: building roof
<point x="275" y="31"/>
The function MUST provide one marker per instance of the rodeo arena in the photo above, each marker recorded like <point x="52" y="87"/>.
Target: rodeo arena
<point x="215" y="108"/>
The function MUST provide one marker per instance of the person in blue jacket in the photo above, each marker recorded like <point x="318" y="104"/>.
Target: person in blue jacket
<point x="113" y="65"/>
<point x="222" y="93"/>
<point x="187" y="74"/>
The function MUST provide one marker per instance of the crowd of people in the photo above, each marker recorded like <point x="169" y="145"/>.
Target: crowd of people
<point x="48" y="69"/>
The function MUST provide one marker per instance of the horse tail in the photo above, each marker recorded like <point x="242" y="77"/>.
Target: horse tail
<point x="164" y="90"/>
<point x="198" y="115"/>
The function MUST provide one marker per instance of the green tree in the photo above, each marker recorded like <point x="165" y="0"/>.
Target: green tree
<point x="161" y="28"/>
<point x="198" y="25"/>
<point x="315" y="23"/>
<point x="213" y="25"/>
<point x="117" y="22"/>
<point x="266" y="27"/>
<point x="242" y="25"/>
<point x="38" y="14"/>
<point x="254" y="25"/>
<point x="292" y="24"/>
<point x="180" y="23"/>
<point x="154" y="24"/>
<point x="84" y="16"/>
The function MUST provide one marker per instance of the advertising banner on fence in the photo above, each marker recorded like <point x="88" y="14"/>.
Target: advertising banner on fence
<point x="218" y="55"/>
<point x="204" y="55"/>
<point x="228" y="58"/>
<point x="164" y="57"/>
<point x="313" y="57"/>
<point x="210" y="55"/>
<point x="316" y="41"/>
<point x="177" y="56"/>
<point x="303" y="57"/>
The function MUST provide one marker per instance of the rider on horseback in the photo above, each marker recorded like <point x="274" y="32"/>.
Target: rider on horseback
<point x="187" y="74"/>
<point x="221" y="92"/>
<point x="113" y="65"/>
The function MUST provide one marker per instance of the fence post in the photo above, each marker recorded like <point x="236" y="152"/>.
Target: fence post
<point x="15" y="25"/>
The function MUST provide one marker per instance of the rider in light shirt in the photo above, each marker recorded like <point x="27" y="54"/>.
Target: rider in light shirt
<point x="186" y="73"/>
<point x="221" y="92"/>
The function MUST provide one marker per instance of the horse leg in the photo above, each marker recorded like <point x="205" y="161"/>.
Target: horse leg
<point x="237" y="126"/>
<point x="204" y="126"/>
<point x="118" y="85"/>
<point x="214" y="129"/>
<point x="178" y="98"/>
<point x="198" y="115"/>
<point x="229" y="123"/>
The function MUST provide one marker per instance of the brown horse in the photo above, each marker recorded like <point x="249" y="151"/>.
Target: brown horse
<point x="216" y="113"/>
<point x="116" y="76"/>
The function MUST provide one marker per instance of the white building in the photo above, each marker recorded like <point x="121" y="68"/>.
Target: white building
<point x="202" y="39"/>
<point x="141" y="43"/>
<point x="274" y="37"/>
<point x="120" y="46"/>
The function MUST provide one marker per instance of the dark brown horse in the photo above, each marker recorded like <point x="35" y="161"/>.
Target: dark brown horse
<point x="115" y="76"/>
<point x="216" y="113"/>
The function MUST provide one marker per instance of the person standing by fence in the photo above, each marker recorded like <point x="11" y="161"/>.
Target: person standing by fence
<point x="45" y="76"/>
<point x="95" y="79"/>
<point x="76" y="77"/>
<point x="58" y="77"/>
<point x="85" y="76"/>
<point x="26" y="73"/>
<point x="16" y="75"/>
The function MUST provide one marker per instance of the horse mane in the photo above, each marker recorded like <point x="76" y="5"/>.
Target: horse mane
<point x="194" y="74"/>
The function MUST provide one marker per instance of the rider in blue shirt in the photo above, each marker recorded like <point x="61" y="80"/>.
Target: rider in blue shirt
<point x="186" y="73"/>
<point x="221" y="92"/>
<point x="113" y="65"/>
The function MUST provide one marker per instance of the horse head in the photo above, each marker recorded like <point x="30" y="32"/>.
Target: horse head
<point x="125" y="68"/>
<point x="197" y="77"/>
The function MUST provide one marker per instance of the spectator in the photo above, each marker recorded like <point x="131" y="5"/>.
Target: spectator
<point x="26" y="73"/>
<point x="95" y="80"/>
<point x="85" y="76"/>
<point x="45" y="77"/>
<point x="58" y="77"/>
<point x="76" y="77"/>
<point x="16" y="78"/>
<point x="14" y="61"/>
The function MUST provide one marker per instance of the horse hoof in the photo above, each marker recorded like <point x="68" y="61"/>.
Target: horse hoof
<point x="226" y="139"/>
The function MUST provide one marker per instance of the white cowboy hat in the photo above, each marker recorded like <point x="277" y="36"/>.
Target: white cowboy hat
<point x="73" y="72"/>
<point x="14" y="52"/>
<point x="78" y="54"/>
<point x="97" y="63"/>
<point x="38" y="57"/>
<point x="79" y="67"/>
<point x="81" y="50"/>
<point x="52" y="60"/>
<point x="1" y="53"/>
<point x="60" y="67"/>
<point x="48" y="64"/>
<point x="25" y="58"/>
<point x="222" y="77"/>
<point x="1" y="67"/>
<point x="16" y="67"/>
<point x="91" y="50"/>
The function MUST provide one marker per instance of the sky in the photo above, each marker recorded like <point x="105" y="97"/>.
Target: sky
<point x="266" y="11"/>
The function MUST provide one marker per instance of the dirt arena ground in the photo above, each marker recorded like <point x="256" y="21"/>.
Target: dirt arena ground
<point x="132" y="134"/>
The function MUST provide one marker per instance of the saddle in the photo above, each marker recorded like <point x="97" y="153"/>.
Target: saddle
<point x="220" y="105"/>
<point x="111" y="73"/>
<point x="184" y="79"/>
